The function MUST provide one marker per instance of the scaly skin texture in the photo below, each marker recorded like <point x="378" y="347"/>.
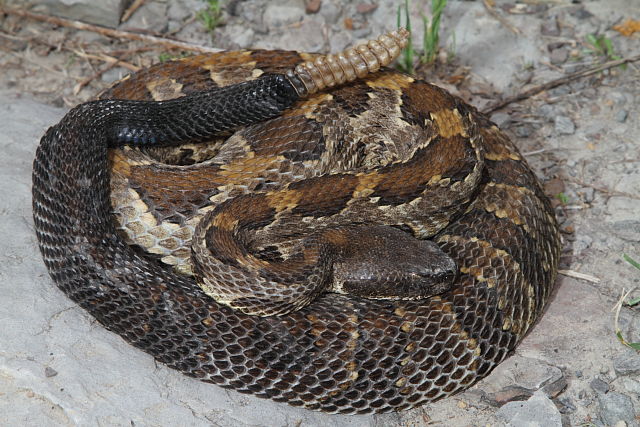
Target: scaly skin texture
<point x="340" y="353"/>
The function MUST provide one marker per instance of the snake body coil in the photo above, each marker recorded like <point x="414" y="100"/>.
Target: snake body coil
<point x="388" y="143"/>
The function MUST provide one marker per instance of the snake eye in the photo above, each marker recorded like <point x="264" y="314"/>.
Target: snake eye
<point x="332" y="70"/>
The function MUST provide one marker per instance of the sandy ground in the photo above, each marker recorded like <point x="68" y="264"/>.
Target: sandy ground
<point x="58" y="367"/>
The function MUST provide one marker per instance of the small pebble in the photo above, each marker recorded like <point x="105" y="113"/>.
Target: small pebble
<point x="366" y="7"/>
<point x="50" y="372"/>
<point x="313" y="6"/>
<point x="582" y="243"/>
<point x="501" y="119"/>
<point x="621" y="116"/>
<point x="524" y="131"/>
<point x="547" y="111"/>
<point x="578" y="374"/>
<point x="598" y="385"/>
<point x="558" y="56"/>
<point x="588" y="194"/>
<point x="560" y="90"/>
<point x="582" y="13"/>
<point x="567" y="406"/>
<point x="564" y="125"/>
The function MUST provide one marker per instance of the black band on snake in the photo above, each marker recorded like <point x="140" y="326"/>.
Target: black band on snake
<point x="429" y="243"/>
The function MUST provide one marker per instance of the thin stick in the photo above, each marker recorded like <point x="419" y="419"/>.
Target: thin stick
<point x="127" y="13"/>
<point x="610" y="193"/>
<point x="174" y="44"/>
<point x="108" y="59"/>
<point x="489" y="4"/>
<point x="557" y="82"/>
<point x="578" y="275"/>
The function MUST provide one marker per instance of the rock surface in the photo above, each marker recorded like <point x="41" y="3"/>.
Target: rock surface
<point x="537" y="411"/>
<point x="104" y="12"/>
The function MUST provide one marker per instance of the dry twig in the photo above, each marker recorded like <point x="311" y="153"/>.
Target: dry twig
<point x="131" y="10"/>
<point x="118" y="34"/>
<point x="607" y="191"/>
<point x="108" y="59"/>
<point x="578" y="275"/>
<point x="489" y="5"/>
<point x="558" y="82"/>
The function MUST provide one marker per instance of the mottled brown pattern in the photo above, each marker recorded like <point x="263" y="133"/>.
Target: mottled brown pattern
<point x="386" y="150"/>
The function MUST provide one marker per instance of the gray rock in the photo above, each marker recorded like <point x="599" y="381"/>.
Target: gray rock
<point x="538" y="410"/>
<point x="598" y="385"/>
<point x="558" y="56"/>
<point x="50" y="372"/>
<point x="567" y="405"/>
<point x="524" y="131"/>
<point x="280" y="15"/>
<point x="307" y="37"/>
<point x="628" y="384"/>
<point x="501" y="119"/>
<point x="548" y="111"/>
<point x="621" y="116"/>
<point x="331" y="10"/>
<point x="582" y="242"/>
<point x="240" y="35"/>
<point x="615" y="407"/>
<point x="104" y="12"/>
<point x="564" y="125"/>
<point x="627" y="363"/>
<point x="254" y="13"/>
<point x="560" y="90"/>
<point x="627" y="229"/>
<point x="114" y="74"/>
<point x="178" y="11"/>
<point x="588" y="193"/>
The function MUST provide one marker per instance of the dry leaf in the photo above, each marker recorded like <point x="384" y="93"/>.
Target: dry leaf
<point x="628" y="27"/>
